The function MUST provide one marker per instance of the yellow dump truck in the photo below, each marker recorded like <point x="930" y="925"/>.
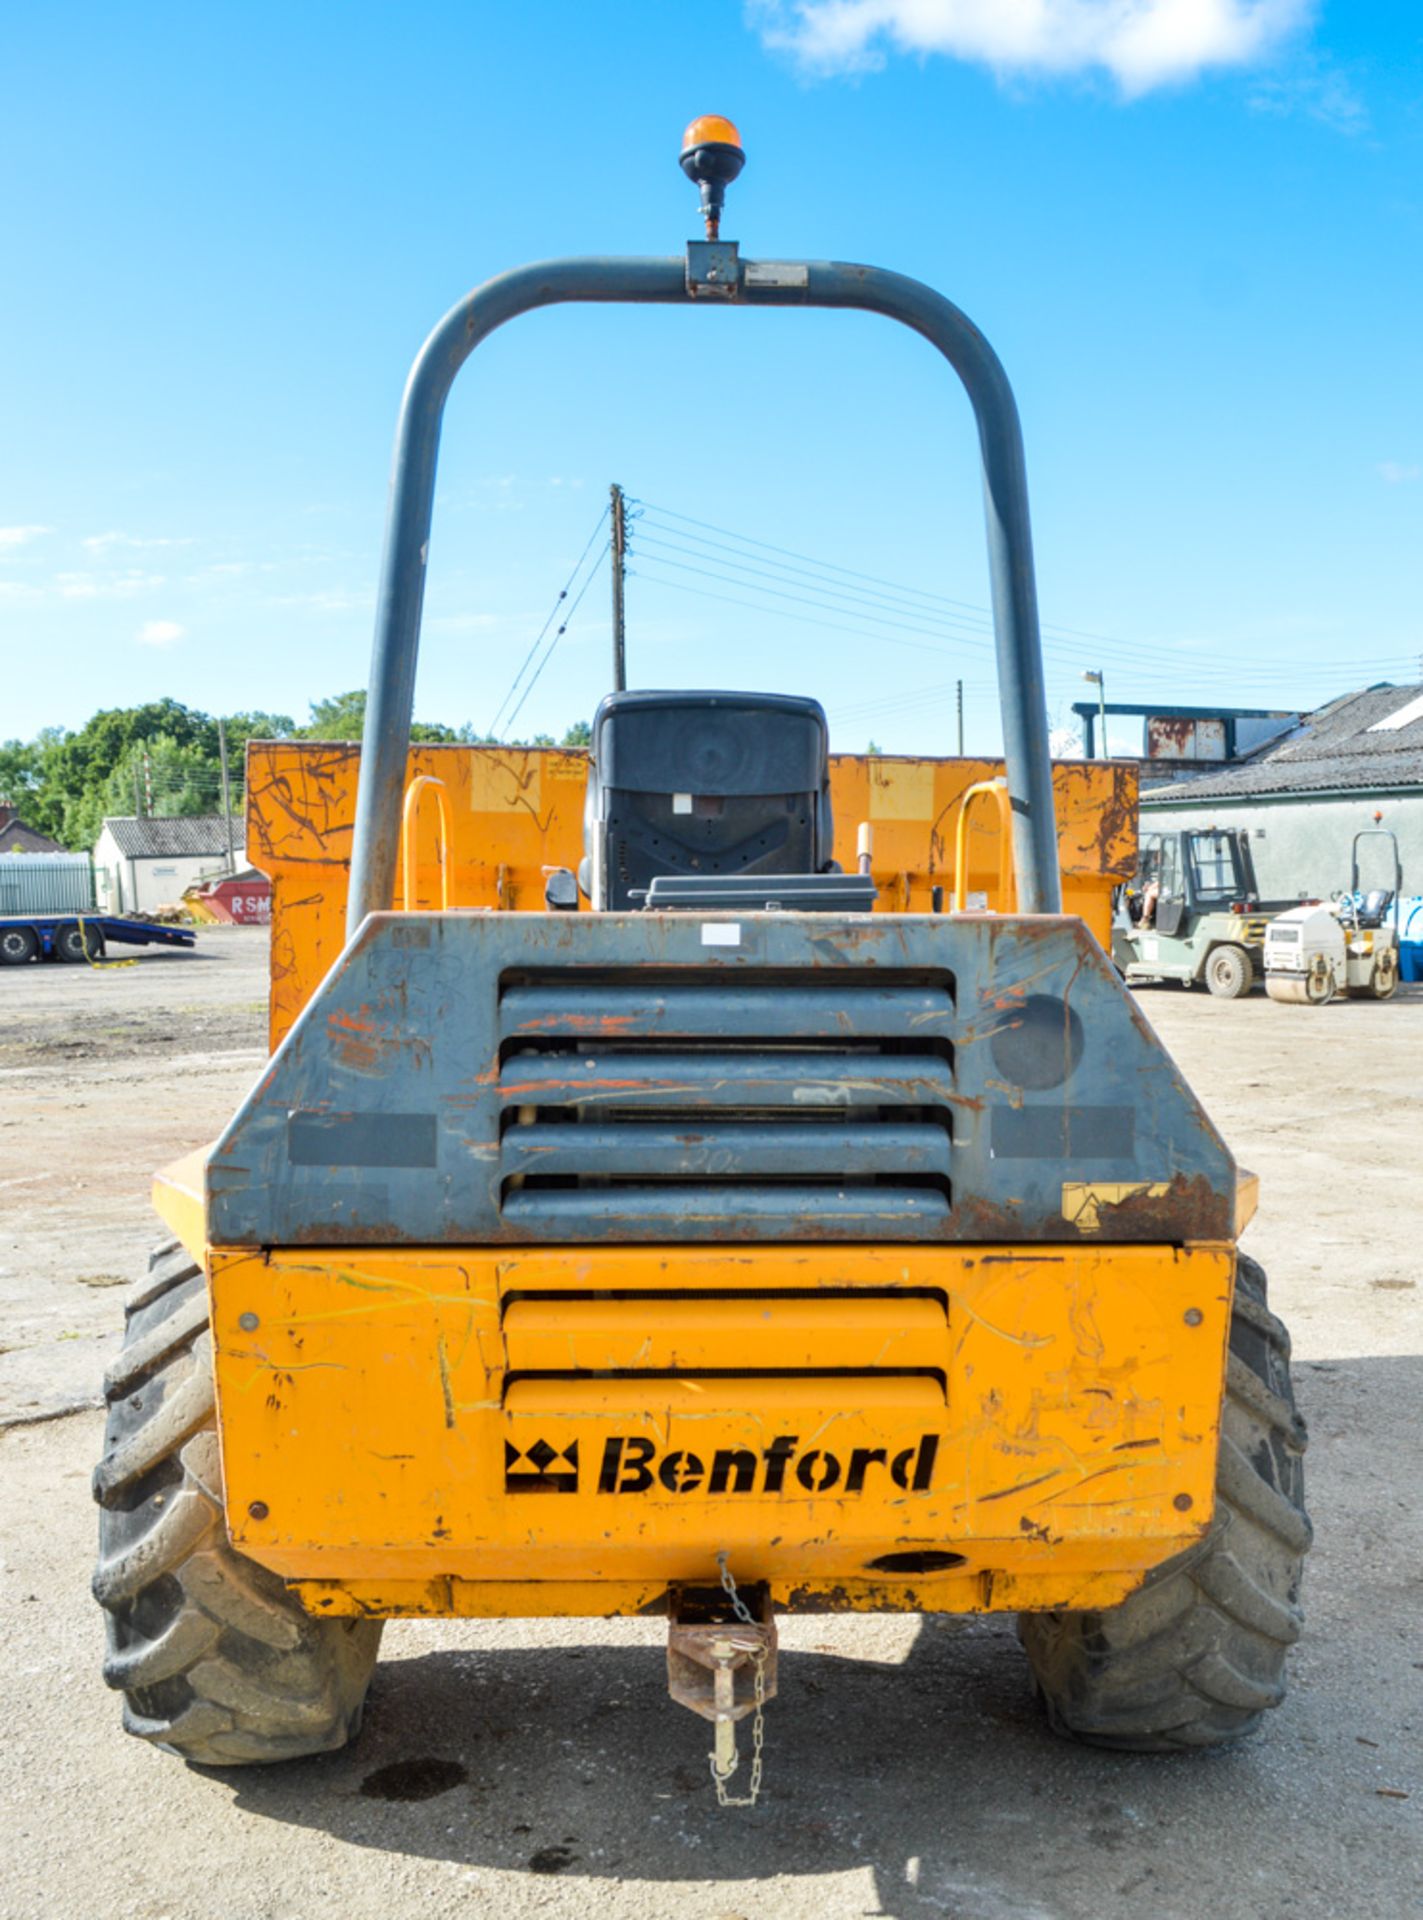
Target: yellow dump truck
<point x="704" y="1176"/>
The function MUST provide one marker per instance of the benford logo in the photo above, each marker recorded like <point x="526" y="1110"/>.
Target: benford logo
<point x="633" y="1464"/>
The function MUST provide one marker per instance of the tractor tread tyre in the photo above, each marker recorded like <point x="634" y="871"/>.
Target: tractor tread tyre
<point x="1228" y="971"/>
<point x="218" y="1662"/>
<point x="1197" y="1655"/>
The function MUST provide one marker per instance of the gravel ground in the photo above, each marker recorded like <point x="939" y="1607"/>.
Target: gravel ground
<point x="537" y="1767"/>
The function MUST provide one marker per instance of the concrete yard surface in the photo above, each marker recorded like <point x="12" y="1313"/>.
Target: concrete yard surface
<point x="538" y="1768"/>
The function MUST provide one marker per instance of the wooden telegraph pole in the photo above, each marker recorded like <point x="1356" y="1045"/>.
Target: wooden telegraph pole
<point x="226" y="795"/>
<point x="619" y="543"/>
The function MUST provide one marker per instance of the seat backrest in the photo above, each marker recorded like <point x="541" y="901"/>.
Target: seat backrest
<point x="703" y="784"/>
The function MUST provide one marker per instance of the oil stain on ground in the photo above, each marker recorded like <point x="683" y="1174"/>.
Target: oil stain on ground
<point x="414" y="1779"/>
<point x="551" y="1860"/>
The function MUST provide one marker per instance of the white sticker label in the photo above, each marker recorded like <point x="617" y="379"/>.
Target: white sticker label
<point x="977" y="903"/>
<point x="681" y="803"/>
<point x="775" y="273"/>
<point x="721" y="933"/>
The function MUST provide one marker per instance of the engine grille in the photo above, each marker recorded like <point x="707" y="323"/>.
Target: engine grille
<point x="643" y="1098"/>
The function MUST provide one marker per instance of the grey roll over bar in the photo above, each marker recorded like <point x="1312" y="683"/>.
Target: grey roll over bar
<point x="711" y="274"/>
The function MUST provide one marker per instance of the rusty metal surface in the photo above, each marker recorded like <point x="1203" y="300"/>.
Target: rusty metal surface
<point x="516" y="811"/>
<point x="1169" y="737"/>
<point x="410" y="1102"/>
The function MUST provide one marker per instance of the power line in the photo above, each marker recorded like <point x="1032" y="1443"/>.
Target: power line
<point x="828" y="566"/>
<point x="903" y="601"/>
<point x="1059" y="656"/>
<point x="564" y="591"/>
<point x="1143" y="659"/>
<point x="805" y="600"/>
<point x="781" y="613"/>
<point x="980" y="615"/>
<point x="562" y="629"/>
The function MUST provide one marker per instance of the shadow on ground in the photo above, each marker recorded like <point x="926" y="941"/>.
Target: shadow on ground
<point x="932" y="1767"/>
<point x="938" y="1772"/>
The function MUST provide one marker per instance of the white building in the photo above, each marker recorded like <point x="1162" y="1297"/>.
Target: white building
<point x="1352" y="766"/>
<point x="142" y="864"/>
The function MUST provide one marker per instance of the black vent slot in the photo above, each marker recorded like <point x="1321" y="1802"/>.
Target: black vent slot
<point x="784" y="1101"/>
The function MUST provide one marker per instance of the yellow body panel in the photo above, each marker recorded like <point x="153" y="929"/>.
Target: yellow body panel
<point x="515" y="811"/>
<point x="561" y="1430"/>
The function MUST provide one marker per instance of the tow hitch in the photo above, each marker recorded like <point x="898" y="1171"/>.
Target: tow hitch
<point x="721" y="1662"/>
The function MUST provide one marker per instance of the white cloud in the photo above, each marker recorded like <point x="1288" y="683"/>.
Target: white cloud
<point x="1397" y="474"/>
<point x="1142" y="43"/>
<point x="329" y="600"/>
<point x="105" y="542"/>
<point x="159" y="633"/>
<point x="1313" y="86"/>
<point x="11" y="537"/>
<point x="106" y="586"/>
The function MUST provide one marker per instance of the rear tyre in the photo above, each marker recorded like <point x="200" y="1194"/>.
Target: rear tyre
<point x="18" y="946"/>
<point x="1228" y="972"/>
<point x="216" y="1659"/>
<point x="76" y="943"/>
<point x="1197" y="1655"/>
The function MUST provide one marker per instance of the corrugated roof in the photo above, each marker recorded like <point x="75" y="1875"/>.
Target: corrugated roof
<point x="1340" y="747"/>
<point x="146" y="838"/>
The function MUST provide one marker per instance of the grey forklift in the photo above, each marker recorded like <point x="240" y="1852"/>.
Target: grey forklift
<point x="1192" y="911"/>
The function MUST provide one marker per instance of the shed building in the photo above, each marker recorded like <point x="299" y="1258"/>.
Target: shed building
<point x="1303" y="797"/>
<point x="16" y="837"/>
<point x="142" y="863"/>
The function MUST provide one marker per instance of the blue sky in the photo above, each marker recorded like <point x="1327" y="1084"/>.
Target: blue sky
<point x="1192" y="228"/>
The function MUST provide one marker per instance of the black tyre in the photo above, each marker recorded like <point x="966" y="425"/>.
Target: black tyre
<point x="76" y="943"/>
<point x="1228" y="972"/>
<point x="18" y="946"/>
<point x="216" y="1659"/>
<point x="1197" y="1655"/>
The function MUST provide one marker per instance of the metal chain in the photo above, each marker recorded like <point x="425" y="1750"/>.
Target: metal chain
<point x="758" y="1720"/>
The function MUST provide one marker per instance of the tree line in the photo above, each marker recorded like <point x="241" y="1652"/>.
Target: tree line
<point x="165" y="759"/>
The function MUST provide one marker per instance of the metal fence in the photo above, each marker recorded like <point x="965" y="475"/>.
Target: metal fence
<point x="46" y="883"/>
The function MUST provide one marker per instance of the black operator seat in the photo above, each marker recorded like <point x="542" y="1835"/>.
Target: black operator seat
<point x="1374" y="907"/>
<point x="704" y="785"/>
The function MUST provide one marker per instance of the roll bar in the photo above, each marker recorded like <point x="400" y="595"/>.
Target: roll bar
<point x="712" y="273"/>
<point x="1376" y="833"/>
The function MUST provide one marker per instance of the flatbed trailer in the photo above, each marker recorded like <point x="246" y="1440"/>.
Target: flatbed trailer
<point x="79" y="936"/>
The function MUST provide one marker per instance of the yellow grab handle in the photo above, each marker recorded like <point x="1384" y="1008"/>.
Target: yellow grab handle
<point x="413" y="792"/>
<point x="999" y="789"/>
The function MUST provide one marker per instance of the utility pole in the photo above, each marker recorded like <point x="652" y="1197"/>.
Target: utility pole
<point x="960" y="686"/>
<point x="147" y="783"/>
<point x="619" y="543"/>
<point x="226" y="795"/>
<point x="137" y="798"/>
<point x="1099" y="680"/>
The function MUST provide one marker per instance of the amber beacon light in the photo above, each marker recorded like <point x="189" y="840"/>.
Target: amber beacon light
<point x="712" y="156"/>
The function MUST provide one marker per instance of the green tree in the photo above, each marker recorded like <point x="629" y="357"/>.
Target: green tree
<point x="161" y="776"/>
<point x="164" y="757"/>
<point x="342" y="716"/>
<point x="21" y="773"/>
